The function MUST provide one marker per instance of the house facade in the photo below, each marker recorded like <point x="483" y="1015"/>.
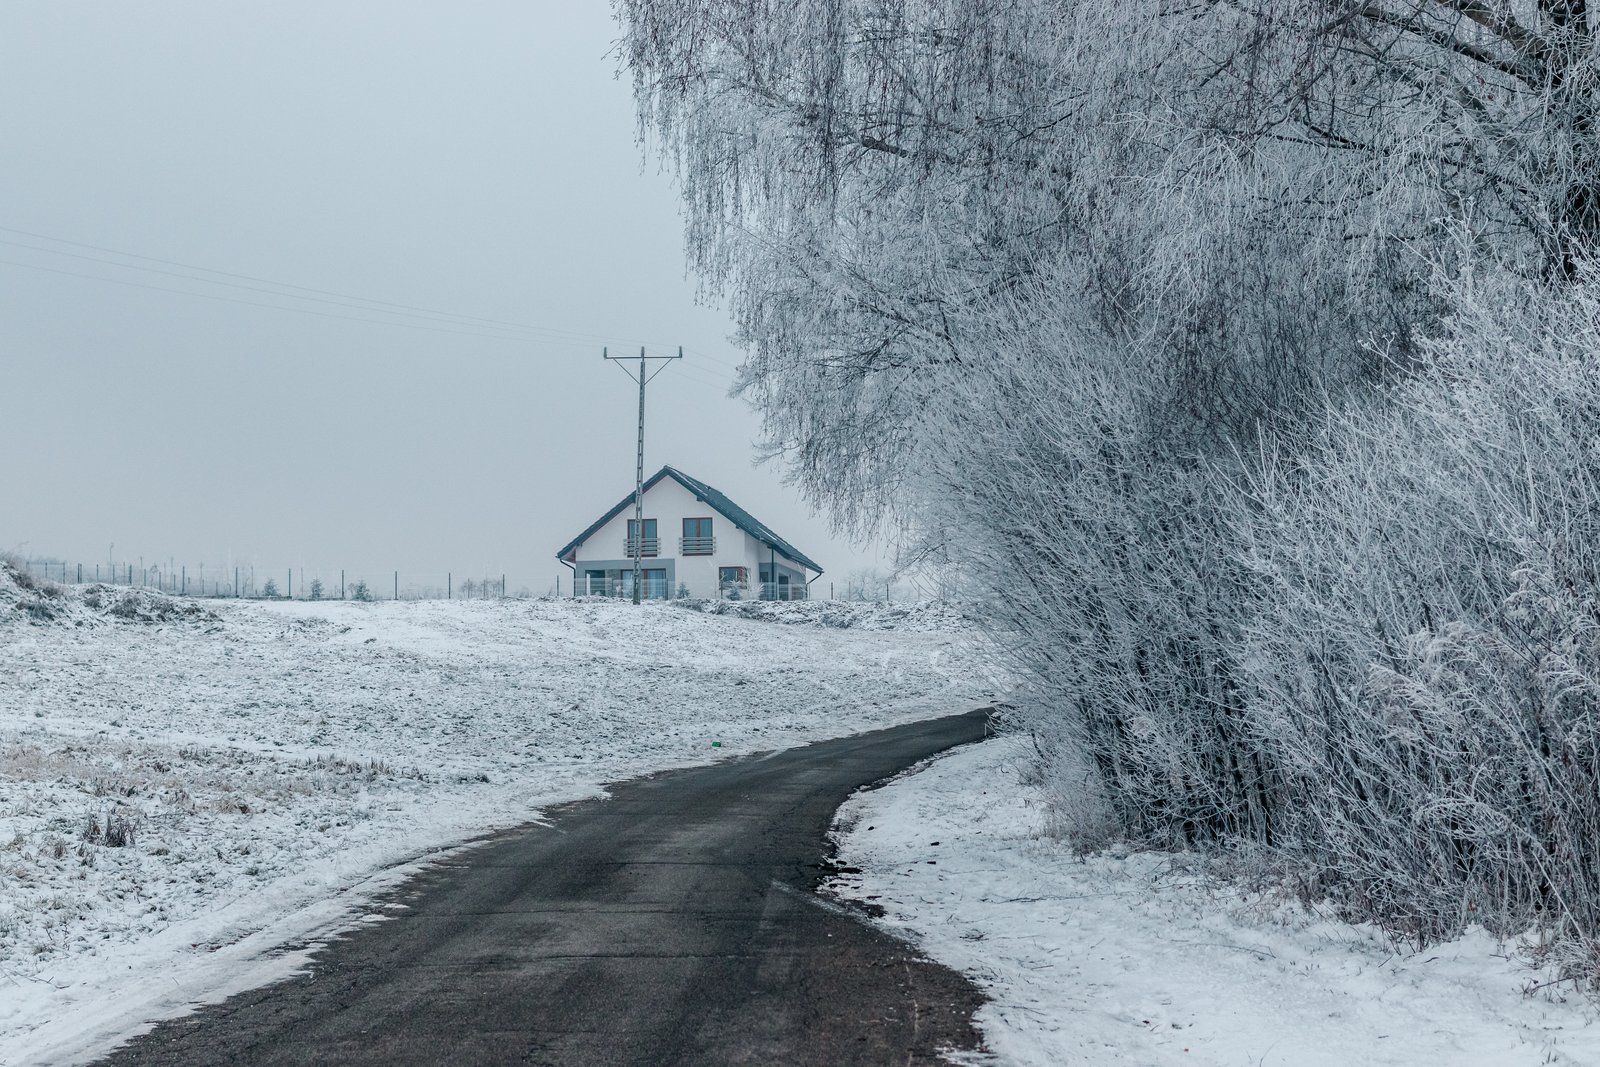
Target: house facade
<point x="696" y="542"/>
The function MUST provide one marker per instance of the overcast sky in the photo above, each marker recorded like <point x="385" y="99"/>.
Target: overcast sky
<point x="477" y="159"/>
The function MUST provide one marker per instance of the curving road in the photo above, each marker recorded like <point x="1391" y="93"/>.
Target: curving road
<point x="671" y="924"/>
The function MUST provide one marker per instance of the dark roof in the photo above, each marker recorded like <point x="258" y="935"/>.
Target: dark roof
<point x="717" y="499"/>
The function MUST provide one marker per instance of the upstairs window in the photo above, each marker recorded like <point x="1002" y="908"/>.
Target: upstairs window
<point x="651" y="546"/>
<point x="697" y="538"/>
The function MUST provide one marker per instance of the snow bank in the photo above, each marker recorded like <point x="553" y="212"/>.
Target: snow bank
<point x="182" y="789"/>
<point x="27" y="600"/>
<point x="1139" y="959"/>
<point x="926" y="617"/>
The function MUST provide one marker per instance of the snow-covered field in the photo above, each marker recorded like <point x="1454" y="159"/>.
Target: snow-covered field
<point x="1134" y="960"/>
<point x="188" y="787"/>
<point x="192" y="793"/>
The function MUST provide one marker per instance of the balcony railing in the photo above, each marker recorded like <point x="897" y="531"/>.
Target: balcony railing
<point x="649" y="588"/>
<point x="697" y="546"/>
<point x="630" y="546"/>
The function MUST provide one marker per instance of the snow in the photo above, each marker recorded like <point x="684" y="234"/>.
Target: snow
<point x="1143" y="959"/>
<point x="841" y="614"/>
<point x="278" y="764"/>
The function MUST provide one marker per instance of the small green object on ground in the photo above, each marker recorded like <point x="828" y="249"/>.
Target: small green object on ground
<point x="716" y="744"/>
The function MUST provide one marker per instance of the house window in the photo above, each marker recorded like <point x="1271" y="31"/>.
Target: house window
<point x="655" y="585"/>
<point x="651" y="545"/>
<point x="733" y="582"/>
<point x="697" y="539"/>
<point x="776" y="587"/>
<point x="595" y="584"/>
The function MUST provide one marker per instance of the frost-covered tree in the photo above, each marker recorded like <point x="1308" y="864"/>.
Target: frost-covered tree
<point x="1419" y="650"/>
<point x="1245" y="188"/>
<point x="1114" y="305"/>
<point x="1249" y="188"/>
<point x="1494" y="100"/>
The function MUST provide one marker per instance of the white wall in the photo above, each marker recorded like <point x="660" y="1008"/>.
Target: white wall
<point x="669" y="503"/>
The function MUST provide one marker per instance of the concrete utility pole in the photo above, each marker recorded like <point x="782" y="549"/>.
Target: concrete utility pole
<point x="638" y="467"/>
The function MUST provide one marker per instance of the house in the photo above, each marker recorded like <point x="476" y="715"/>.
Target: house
<point x="696" y="542"/>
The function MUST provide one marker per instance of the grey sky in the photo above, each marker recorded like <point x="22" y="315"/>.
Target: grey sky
<point x="475" y="158"/>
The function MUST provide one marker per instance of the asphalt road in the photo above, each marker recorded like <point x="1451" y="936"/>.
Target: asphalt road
<point x="671" y="924"/>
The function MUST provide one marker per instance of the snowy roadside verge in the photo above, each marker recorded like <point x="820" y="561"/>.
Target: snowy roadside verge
<point x="269" y="767"/>
<point x="1134" y="960"/>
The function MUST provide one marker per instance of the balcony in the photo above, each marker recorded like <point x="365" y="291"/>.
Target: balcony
<point x="697" y="546"/>
<point x="652" y="547"/>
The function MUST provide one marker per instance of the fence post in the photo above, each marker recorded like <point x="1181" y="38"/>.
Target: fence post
<point x="502" y="587"/>
<point x="397" y="585"/>
<point x="449" y="587"/>
<point x="341" y="583"/>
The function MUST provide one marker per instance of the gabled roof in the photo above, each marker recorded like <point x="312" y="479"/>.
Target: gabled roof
<point x="703" y="492"/>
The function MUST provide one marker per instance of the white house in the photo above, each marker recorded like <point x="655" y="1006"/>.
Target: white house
<point x="696" y="542"/>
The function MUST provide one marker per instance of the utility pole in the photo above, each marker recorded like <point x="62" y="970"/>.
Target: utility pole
<point x="643" y="379"/>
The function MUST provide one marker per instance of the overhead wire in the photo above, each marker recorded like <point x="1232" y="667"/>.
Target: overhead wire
<point x="698" y="376"/>
<point x="433" y="320"/>
<point x="261" y="304"/>
<point x="320" y="295"/>
<point x="240" y="285"/>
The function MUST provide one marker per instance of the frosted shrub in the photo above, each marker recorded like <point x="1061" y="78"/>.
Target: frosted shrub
<point x="1103" y="549"/>
<point x="1370" y="648"/>
<point x="1422" y="656"/>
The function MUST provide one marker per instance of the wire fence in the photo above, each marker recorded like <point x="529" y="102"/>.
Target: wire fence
<point x="252" y="582"/>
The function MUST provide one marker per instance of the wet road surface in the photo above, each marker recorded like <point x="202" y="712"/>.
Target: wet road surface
<point x="673" y="923"/>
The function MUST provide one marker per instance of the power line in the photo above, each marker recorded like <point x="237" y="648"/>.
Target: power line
<point x="434" y="321"/>
<point x="411" y="309"/>
<point x="276" y="307"/>
<point x="241" y="285"/>
<point x="696" y="375"/>
<point x="702" y="354"/>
